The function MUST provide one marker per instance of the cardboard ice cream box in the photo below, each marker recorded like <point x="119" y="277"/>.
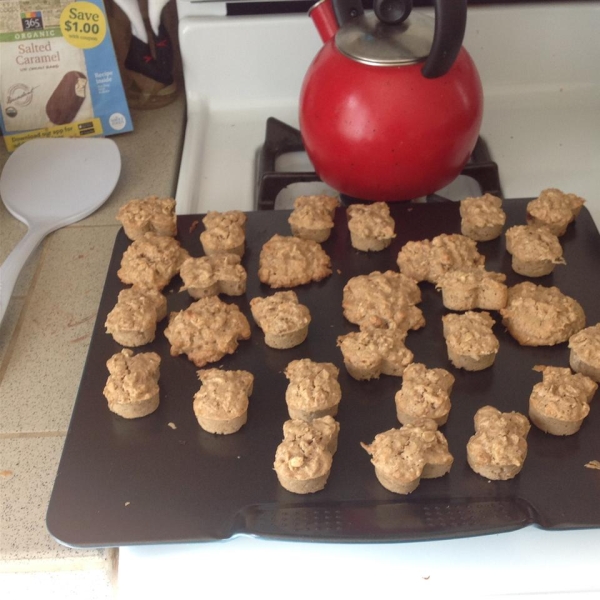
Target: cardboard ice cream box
<point x="59" y="75"/>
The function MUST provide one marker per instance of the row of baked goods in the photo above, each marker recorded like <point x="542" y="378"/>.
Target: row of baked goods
<point x="209" y="328"/>
<point x="371" y="228"/>
<point x="535" y="246"/>
<point x="384" y="306"/>
<point x="303" y="460"/>
<point x="482" y="218"/>
<point x="534" y="316"/>
<point x="498" y="448"/>
<point x="418" y="450"/>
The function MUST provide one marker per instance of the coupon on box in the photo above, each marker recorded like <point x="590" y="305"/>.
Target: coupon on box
<point x="58" y="72"/>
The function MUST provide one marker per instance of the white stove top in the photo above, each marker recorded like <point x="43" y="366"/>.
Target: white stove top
<point x="539" y="68"/>
<point x="538" y="65"/>
<point x="525" y="563"/>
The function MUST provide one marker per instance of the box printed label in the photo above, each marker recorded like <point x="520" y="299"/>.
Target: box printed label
<point x="58" y="67"/>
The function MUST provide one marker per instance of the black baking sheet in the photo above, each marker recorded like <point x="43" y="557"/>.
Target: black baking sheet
<point x="124" y="482"/>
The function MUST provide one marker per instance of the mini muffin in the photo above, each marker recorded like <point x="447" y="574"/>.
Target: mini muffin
<point x="554" y="209"/>
<point x="323" y="431"/>
<point x="559" y="404"/>
<point x="535" y="250"/>
<point x="470" y="341"/>
<point x="282" y="318"/>
<point x="302" y="467"/>
<point x="207" y="330"/>
<point x="473" y="288"/>
<point x="383" y="300"/>
<point x="425" y="393"/>
<point x="371" y="226"/>
<point x="215" y="218"/>
<point x="132" y="386"/>
<point x="403" y="456"/>
<point x="213" y="275"/>
<point x="288" y="261"/>
<point x="221" y="404"/>
<point x="313" y="391"/>
<point x="151" y="214"/>
<point x="498" y="449"/>
<point x="312" y="217"/>
<point x="429" y="260"/>
<point x="132" y="321"/>
<point x="585" y="352"/>
<point x="541" y="316"/>
<point x="373" y="352"/>
<point x="152" y="261"/>
<point x="224" y="232"/>
<point x="482" y="218"/>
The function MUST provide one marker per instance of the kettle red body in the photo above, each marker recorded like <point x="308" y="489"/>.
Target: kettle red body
<point x="387" y="132"/>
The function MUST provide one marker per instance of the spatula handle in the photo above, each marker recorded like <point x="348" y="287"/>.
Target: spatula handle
<point x="11" y="267"/>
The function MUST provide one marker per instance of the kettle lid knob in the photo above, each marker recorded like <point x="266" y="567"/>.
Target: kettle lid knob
<point x="392" y="11"/>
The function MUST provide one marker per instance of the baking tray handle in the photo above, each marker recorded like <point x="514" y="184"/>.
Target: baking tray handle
<point x="385" y="521"/>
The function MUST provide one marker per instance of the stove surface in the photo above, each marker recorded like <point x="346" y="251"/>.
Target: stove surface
<point x="542" y="96"/>
<point x="538" y="65"/>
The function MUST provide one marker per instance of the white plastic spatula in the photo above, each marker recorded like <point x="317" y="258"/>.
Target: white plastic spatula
<point x="50" y="183"/>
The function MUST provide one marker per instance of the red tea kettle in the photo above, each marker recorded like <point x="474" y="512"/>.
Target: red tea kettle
<point x="391" y="106"/>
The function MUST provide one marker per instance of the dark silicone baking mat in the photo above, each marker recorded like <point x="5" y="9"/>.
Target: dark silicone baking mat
<point x="126" y="482"/>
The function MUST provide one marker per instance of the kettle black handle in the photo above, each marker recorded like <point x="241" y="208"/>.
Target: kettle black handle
<point x="450" y="24"/>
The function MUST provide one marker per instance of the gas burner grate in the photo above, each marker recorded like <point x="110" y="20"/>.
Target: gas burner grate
<point x="281" y="138"/>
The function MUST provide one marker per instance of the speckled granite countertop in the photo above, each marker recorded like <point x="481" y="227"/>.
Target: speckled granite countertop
<point x="43" y="345"/>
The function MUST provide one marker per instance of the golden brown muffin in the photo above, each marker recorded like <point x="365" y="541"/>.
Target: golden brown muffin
<point x="221" y="403"/>
<point x="282" y="318"/>
<point x="541" y="316"/>
<point x="132" y="321"/>
<point x="313" y="391"/>
<point x="213" y="275"/>
<point x="473" y="288"/>
<point x="224" y="232"/>
<point x="482" y="218"/>
<point x="470" y="341"/>
<point x="132" y="387"/>
<point x="403" y="456"/>
<point x="554" y="209"/>
<point x="425" y="393"/>
<point x="499" y="447"/>
<point x="383" y="300"/>
<point x="152" y="261"/>
<point x="312" y="217"/>
<point x="215" y="218"/>
<point x="429" y="260"/>
<point x="207" y="330"/>
<point x="585" y="352"/>
<point x="372" y="352"/>
<point x="371" y="226"/>
<point x="323" y="431"/>
<point x="288" y="261"/>
<point x="559" y="404"/>
<point x="302" y="467"/>
<point x="535" y="250"/>
<point x="151" y="214"/>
